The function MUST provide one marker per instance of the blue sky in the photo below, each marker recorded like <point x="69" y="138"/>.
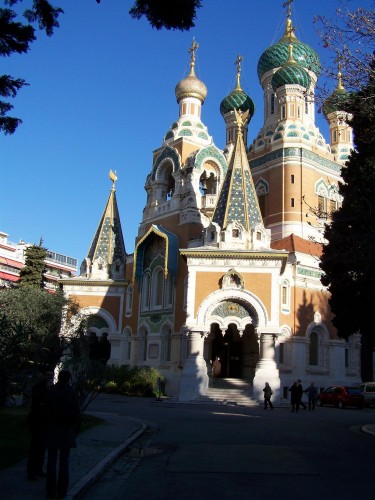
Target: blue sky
<point x="101" y="97"/>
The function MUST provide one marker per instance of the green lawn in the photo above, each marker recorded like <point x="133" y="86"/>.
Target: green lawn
<point x="15" y="436"/>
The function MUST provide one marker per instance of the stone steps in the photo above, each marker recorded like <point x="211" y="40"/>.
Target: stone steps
<point x="230" y="392"/>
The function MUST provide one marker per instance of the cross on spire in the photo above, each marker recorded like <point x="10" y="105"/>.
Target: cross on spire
<point x="288" y="5"/>
<point x="237" y="62"/>
<point x="192" y="49"/>
<point x="289" y="28"/>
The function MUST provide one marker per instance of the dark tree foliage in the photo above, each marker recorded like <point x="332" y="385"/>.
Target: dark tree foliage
<point x="16" y="37"/>
<point x="169" y="14"/>
<point x="32" y="274"/>
<point x="348" y="259"/>
<point x="30" y="320"/>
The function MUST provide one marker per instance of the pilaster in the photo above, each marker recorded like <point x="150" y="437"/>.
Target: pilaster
<point x="194" y="377"/>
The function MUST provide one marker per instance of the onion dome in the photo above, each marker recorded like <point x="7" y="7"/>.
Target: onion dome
<point x="291" y="73"/>
<point x="191" y="86"/>
<point x="337" y="100"/>
<point x="277" y="55"/>
<point x="237" y="99"/>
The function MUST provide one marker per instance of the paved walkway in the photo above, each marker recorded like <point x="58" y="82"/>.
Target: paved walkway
<point x="96" y="449"/>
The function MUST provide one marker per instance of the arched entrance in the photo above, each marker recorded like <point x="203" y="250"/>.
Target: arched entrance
<point x="238" y="351"/>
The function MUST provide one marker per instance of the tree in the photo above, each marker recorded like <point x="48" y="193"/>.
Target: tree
<point x="17" y="37"/>
<point x="30" y="322"/>
<point x="33" y="272"/>
<point x="167" y="14"/>
<point x="348" y="259"/>
<point x="350" y="37"/>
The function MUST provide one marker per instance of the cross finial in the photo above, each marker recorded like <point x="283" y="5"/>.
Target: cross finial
<point x="339" y="74"/>
<point x="237" y="62"/>
<point x="289" y="29"/>
<point x="192" y="49"/>
<point x="288" y="5"/>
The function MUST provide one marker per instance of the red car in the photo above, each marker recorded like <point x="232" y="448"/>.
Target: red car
<point x="341" y="396"/>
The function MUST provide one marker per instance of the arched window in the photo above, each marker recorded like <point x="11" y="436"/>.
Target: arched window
<point x="157" y="288"/>
<point x="262" y="189"/>
<point x="166" y="343"/>
<point x="314" y="349"/>
<point x="129" y="300"/>
<point x="145" y="299"/>
<point x="285" y="296"/>
<point x="144" y="347"/>
<point x="168" y="299"/>
<point x="127" y="343"/>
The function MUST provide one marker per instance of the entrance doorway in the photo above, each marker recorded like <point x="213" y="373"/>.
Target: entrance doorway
<point x="229" y="349"/>
<point x="238" y="355"/>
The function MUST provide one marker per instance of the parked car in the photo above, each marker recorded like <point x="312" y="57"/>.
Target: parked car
<point x="368" y="391"/>
<point x="341" y="396"/>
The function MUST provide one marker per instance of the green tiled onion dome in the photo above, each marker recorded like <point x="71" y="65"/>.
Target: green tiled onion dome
<point x="336" y="101"/>
<point x="277" y="55"/>
<point x="291" y="73"/>
<point x="238" y="100"/>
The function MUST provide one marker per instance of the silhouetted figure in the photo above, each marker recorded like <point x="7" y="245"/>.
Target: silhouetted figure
<point x="216" y="368"/>
<point x="267" y="396"/>
<point x="36" y="420"/>
<point x="300" y="394"/>
<point x="104" y="349"/>
<point x="312" y="393"/>
<point x="63" y="420"/>
<point x="94" y="347"/>
<point x="294" y="397"/>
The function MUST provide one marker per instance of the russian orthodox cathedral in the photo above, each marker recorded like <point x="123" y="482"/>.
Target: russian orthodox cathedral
<point x="226" y="260"/>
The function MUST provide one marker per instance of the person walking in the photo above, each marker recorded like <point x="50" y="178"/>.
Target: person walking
<point x="37" y="448"/>
<point x="267" y="396"/>
<point x="294" y="397"/>
<point x="63" y="420"/>
<point x="312" y="392"/>
<point x="300" y="394"/>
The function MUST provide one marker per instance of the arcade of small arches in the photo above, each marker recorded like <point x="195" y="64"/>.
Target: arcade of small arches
<point x="230" y="331"/>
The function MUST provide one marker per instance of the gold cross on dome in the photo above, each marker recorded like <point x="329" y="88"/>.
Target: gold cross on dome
<point x="288" y="5"/>
<point x="237" y="62"/>
<point x="193" y="48"/>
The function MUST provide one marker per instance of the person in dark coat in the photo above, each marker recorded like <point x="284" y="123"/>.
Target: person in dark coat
<point x="37" y="449"/>
<point x="300" y="394"/>
<point x="312" y="393"/>
<point x="104" y="349"/>
<point x="267" y="396"/>
<point x="294" y="397"/>
<point x="63" y="420"/>
<point x="216" y="368"/>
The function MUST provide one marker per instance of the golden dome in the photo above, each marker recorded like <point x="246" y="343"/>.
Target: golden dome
<point x="191" y="86"/>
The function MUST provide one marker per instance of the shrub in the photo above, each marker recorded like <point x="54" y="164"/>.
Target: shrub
<point x="132" y="380"/>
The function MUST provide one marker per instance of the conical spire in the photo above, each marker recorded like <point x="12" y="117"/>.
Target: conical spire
<point x="106" y="257"/>
<point x="238" y="200"/>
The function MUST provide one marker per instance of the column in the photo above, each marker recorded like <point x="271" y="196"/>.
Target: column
<point x="266" y="369"/>
<point x="194" y="377"/>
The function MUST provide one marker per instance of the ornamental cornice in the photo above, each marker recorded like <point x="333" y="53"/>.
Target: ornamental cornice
<point x="86" y="283"/>
<point x="295" y="152"/>
<point x="230" y="254"/>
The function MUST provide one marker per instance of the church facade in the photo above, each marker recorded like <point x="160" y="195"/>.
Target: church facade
<point x="226" y="261"/>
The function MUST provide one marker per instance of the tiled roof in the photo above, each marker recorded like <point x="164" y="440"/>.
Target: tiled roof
<point x="294" y="243"/>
